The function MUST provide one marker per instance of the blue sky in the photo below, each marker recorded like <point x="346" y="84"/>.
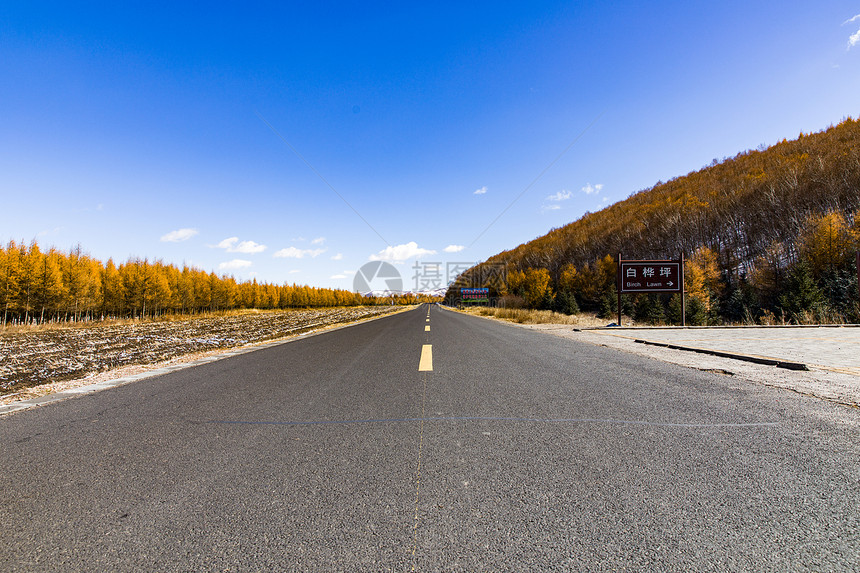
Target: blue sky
<point x="294" y="142"/>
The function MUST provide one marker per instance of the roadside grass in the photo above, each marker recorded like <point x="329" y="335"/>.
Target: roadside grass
<point x="526" y="316"/>
<point x="590" y="320"/>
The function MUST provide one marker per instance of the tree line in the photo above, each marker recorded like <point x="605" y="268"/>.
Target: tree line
<point x="39" y="286"/>
<point x="771" y="235"/>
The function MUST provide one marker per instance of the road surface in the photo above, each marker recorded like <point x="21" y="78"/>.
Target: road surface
<point x="432" y="441"/>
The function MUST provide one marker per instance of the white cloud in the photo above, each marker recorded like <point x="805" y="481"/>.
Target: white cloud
<point x="400" y="253"/>
<point x="295" y="271"/>
<point x="854" y="39"/>
<point x="178" y="235"/>
<point x="290" y="253"/>
<point x="54" y="231"/>
<point x="234" y="264"/>
<point x="453" y="248"/>
<point x="562" y="195"/>
<point x="318" y="241"/>
<point x="337" y="257"/>
<point x="590" y="189"/>
<point x="480" y="191"/>
<point x="249" y="247"/>
<point x="100" y="207"/>
<point x="294" y="253"/>
<point x="338" y="276"/>
<point x="232" y="245"/>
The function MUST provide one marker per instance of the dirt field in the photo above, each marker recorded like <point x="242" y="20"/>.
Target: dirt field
<point x="33" y="358"/>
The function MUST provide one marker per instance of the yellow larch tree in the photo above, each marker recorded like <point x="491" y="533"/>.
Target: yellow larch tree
<point x="702" y="277"/>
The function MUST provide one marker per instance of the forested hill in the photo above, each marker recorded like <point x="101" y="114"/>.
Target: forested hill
<point x="748" y="212"/>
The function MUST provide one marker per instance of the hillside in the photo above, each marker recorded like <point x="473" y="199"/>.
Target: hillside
<point x="752" y="223"/>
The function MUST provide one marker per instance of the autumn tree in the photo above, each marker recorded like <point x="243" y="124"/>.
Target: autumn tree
<point x="48" y="286"/>
<point x="703" y="280"/>
<point x="567" y="281"/>
<point x="565" y="297"/>
<point x="113" y="290"/>
<point x="536" y="288"/>
<point x="31" y="260"/>
<point x="11" y="268"/>
<point x="826" y="242"/>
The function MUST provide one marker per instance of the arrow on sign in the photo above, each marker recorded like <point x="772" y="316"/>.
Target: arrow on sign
<point x="670" y="283"/>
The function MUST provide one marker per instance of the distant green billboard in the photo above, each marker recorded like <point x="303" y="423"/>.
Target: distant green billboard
<point x="475" y="294"/>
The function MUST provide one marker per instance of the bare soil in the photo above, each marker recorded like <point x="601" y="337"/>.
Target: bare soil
<point x="50" y="356"/>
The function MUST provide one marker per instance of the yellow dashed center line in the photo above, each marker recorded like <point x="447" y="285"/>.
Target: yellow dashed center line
<point x="427" y="328"/>
<point x="426" y="362"/>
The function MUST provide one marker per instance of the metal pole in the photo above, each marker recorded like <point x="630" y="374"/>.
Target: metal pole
<point x="683" y="295"/>
<point x="618" y="288"/>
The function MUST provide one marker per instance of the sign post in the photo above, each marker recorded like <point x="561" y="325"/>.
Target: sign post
<point x="651" y="276"/>
<point x="683" y="295"/>
<point x="618" y="289"/>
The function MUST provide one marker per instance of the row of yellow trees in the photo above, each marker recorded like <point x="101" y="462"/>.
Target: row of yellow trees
<point x="40" y="286"/>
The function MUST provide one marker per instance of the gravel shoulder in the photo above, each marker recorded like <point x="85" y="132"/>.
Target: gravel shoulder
<point x="823" y="381"/>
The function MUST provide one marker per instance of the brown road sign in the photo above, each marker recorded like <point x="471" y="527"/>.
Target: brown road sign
<point x="650" y="276"/>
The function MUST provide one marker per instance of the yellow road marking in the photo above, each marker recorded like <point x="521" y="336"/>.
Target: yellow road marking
<point x="427" y="328"/>
<point x="426" y="362"/>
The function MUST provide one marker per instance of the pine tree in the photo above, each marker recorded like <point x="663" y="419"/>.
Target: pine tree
<point x="608" y="304"/>
<point x="697" y="312"/>
<point x="738" y="303"/>
<point x="800" y="295"/>
<point x="673" y="312"/>
<point x="565" y="303"/>
<point x="649" y="308"/>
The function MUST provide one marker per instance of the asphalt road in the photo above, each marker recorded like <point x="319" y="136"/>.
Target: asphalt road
<point x="499" y="449"/>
